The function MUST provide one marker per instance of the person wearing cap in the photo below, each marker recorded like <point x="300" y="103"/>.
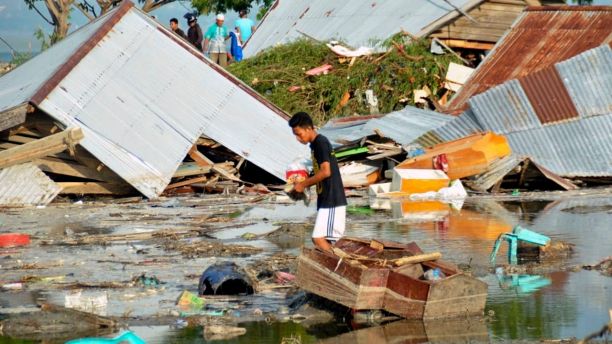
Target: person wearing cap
<point x="246" y="25"/>
<point x="214" y="41"/>
<point x="194" y="34"/>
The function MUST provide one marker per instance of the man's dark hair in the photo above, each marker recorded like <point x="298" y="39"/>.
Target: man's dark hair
<point x="174" y="20"/>
<point x="243" y="13"/>
<point x="302" y="120"/>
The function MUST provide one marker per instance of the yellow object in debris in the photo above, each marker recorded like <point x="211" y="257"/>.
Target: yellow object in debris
<point x="411" y="181"/>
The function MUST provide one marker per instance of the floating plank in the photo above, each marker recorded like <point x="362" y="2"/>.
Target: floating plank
<point x="41" y="147"/>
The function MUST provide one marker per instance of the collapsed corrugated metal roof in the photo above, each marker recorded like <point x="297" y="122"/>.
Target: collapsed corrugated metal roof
<point x="143" y="96"/>
<point x="403" y="126"/>
<point x="540" y="37"/>
<point x="560" y="116"/>
<point x="356" y="22"/>
<point x="26" y="184"/>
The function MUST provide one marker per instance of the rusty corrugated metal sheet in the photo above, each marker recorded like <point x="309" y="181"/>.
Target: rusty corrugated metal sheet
<point x="540" y="37"/>
<point x="548" y="96"/>
<point x="578" y="146"/>
<point x="26" y="185"/>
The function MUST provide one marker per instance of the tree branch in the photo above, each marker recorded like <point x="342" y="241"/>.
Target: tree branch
<point x="32" y="5"/>
<point x="84" y="11"/>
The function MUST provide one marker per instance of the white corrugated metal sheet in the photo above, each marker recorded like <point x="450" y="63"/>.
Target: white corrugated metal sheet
<point x="142" y="100"/>
<point x="26" y="184"/>
<point x="356" y="22"/>
<point x="20" y="84"/>
<point x="403" y="126"/>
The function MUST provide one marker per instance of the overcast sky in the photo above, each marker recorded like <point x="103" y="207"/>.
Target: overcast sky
<point x="18" y="23"/>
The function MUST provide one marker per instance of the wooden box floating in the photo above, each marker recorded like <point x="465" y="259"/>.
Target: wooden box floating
<point x="368" y="274"/>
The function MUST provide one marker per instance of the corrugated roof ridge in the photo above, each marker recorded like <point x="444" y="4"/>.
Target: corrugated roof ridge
<point x="81" y="52"/>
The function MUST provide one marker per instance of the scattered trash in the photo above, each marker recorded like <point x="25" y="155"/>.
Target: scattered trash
<point x="190" y="301"/>
<point x="456" y="76"/>
<point x="604" y="266"/>
<point x="126" y="337"/>
<point x="518" y="235"/>
<point x="146" y="281"/>
<point x="324" y="69"/>
<point x="95" y="304"/>
<point x="218" y="332"/>
<point x="225" y="278"/>
<point x="414" y="181"/>
<point x="12" y="286"/>
<point x="14" y="239"/>
<point x="355" y="174"/>
<point x="346" y="52"/>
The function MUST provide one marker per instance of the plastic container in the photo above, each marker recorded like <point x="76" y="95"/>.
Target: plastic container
<point x="434" y="274"/>
<point x="14" y="239"/>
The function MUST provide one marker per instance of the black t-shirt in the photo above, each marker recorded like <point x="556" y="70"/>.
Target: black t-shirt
<point x="330" y="192"/>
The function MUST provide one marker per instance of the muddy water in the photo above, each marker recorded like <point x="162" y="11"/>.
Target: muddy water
<point x="560" y="302"/>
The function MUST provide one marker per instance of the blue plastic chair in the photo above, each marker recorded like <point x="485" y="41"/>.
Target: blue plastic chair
<point x="127" y="336"/>
<point x="518" y="234"/>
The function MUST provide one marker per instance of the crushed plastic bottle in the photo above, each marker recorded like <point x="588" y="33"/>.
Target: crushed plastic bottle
<point x="434" y="274"/>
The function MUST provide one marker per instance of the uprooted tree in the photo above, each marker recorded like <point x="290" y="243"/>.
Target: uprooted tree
<point x="59" y="10"/>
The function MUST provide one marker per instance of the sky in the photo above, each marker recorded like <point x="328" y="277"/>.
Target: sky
<point x="18" y="23"/>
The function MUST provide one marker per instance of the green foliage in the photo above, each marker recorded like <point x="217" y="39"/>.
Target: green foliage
<point x="20" y="58"/>
<point x="222" y="6"/>
<point x="45" y="40"/>
<point x="392" y="77"/>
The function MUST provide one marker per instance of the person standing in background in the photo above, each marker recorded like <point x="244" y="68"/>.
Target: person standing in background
<point x="235" y="45"/>
<point x="214" y="41"/>
<point x="175" y="28"/>
<point x="246" y="25"/>
<point x="194" y="34"/>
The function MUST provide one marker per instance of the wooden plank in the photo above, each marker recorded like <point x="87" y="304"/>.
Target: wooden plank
<point x="94" y="188"/>
<point x="186" y="182"/>
<point x="418" y="258"/>
<point x="390" y="153"/>
<point x="67" y="168"/>
<point x="41" y="147"/>
<point x="13" y="117"/>
<point x="458" y="43"/>
<point x="85" y="158"/>
<point x="202" y="160"/>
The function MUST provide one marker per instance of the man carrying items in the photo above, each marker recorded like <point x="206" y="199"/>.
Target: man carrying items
<point x="194" y="34"/>
<point x="331" y="201"/>
<point x="215" y="40"/>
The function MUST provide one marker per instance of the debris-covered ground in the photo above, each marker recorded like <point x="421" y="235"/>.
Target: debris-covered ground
<point x="280" y="75"/>
<point x="131" y="262"/>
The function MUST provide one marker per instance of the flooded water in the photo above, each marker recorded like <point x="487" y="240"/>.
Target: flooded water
<point x="559" y="302"/>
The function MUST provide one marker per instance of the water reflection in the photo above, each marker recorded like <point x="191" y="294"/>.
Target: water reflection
<point x="415" y="331"/>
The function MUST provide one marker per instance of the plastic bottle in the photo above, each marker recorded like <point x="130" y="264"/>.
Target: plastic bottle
<point x="434" y="274"/>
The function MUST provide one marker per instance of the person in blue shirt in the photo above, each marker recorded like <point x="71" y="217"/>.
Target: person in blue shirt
<point x="214" y="41"/>
<point x="235" y="45"/>
<point x="246" y="25"/>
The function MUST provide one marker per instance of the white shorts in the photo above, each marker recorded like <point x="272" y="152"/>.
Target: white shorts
<point x="330" y="223"/>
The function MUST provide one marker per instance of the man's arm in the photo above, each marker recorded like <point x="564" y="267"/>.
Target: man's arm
<point x="205" y="48"/>
<point x="324" y="172"/>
